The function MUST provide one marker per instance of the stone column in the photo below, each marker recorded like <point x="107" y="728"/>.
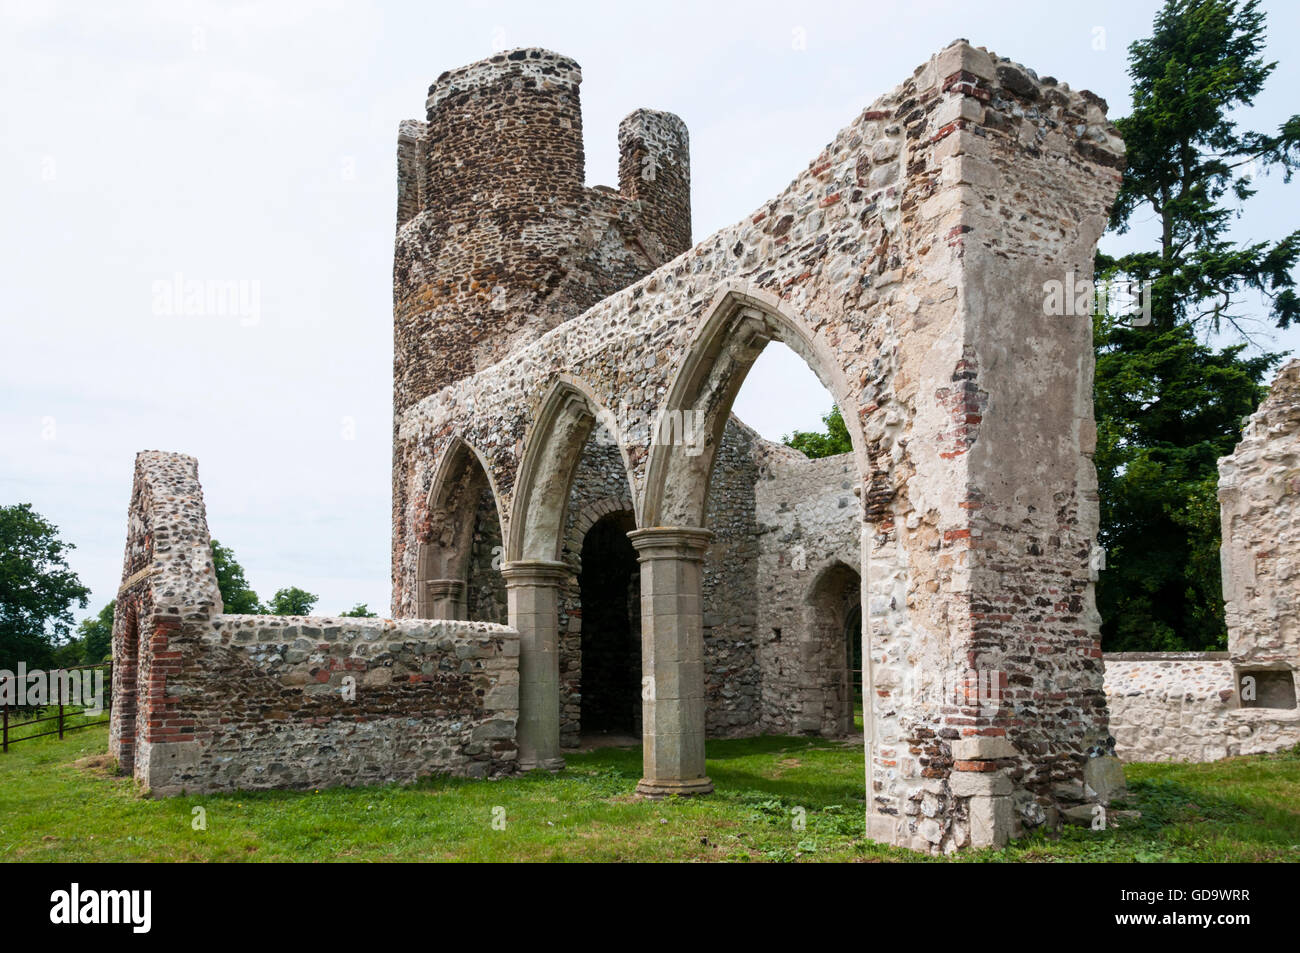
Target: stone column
<point x="532" y="591"/>
<point x="446" y="599"/>
<point x="672" y="659"/>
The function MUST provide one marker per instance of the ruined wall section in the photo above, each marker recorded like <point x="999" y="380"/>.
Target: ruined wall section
<point x="1259" y="496"/>
<point x="234" y="702"/>
<point x="732" y="678"/>
<point x="168" y="582"/>
<point x="1171" y="706"/>
<point x="1259" y="502"/>
<point x="498" y="238"/>
<point x="808" y="516"/>
<point x="1031" y="169"/>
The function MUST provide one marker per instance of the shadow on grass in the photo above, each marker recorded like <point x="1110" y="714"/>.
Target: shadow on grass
<point x="744" y="767"/>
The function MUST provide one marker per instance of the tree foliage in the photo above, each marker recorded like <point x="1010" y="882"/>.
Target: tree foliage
<point x="37" y="588"/>
<point x="1167" y="404"/>
<point x="236" y="595"/>
<point x="291" y="601"/>
<point x="95" y="637"/>
<point x="359" y="611"/>
<point x="835" y="439"/>
<point x="1167" y="408"/>
<point x="1189" y="163"/>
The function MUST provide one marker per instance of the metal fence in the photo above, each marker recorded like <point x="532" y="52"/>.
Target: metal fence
<point x="57" y="714"/>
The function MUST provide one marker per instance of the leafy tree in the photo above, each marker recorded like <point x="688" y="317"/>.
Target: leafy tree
<point x="1186" y="158"/>
<point x="237" y="597"/>
<point x="95" y="636"/>
<point x="292" y="601"/>
<point x="1167" y="404"/>
<point x="37" y="588"/>
<point x="359" y="611"/>
<point x="813" y="444"/>
<point x="1167" y="408"/>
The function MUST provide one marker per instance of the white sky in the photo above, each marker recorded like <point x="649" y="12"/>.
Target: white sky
<point x="255" y="142"/>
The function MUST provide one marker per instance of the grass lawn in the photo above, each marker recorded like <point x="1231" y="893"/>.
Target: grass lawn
<point x="59" y="802"/>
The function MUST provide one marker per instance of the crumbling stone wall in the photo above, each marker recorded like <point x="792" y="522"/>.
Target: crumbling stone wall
<point x="212" y="702"/>
<point x="1259" y="500"/>
<point x="809" y="524"/>
<point x="907" y="264"/>
<point x="1208" y="706"/>
<point x="732" y="676"/>
<point x="1171" y="706"/>
<point x="1259" y="496"/>
<point x="1184" y="706"/>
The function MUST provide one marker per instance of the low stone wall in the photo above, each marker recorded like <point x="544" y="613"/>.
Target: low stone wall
<point x="297" y="702"/>
<point x="1182" y="706"/>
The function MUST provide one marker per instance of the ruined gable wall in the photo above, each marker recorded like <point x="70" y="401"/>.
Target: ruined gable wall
<point x="233" y="702"/>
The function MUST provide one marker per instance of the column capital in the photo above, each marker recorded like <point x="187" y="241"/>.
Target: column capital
<point x="534" y="572"/>
<point x="444" y="588"/>
<point x="671" y="542"/>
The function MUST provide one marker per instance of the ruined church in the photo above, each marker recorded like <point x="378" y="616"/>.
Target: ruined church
<point x="587" y="543"/>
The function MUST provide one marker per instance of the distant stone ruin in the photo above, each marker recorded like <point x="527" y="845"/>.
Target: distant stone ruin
<point x="1207" y="706"/>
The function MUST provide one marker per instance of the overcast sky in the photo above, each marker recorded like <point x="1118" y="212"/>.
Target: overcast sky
<point x="255" y="143"/>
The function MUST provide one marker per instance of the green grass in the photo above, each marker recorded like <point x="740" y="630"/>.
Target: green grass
<point x="59" y="801"/>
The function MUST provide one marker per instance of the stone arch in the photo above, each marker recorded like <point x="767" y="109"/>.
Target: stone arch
<point x="553" y="446"/>
<point x="460" y="485"/>
<point x="533" y="571"/>
<point x="832" y="600"/>
<point x="589" y="515"/>
<point x="740" y="322"/>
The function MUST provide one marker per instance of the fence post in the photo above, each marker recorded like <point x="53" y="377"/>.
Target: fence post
<point x="6" y="729"/>
<point x="60" y="717"/>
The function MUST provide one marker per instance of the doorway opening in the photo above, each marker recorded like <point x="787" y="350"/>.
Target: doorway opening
<point x="610" y="583"/>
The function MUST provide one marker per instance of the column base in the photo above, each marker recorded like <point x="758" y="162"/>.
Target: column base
<point x="553" y="765"/>
<point x="662" y="789"/>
